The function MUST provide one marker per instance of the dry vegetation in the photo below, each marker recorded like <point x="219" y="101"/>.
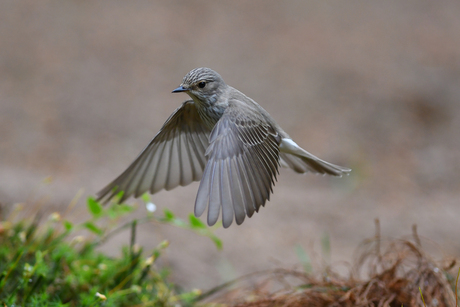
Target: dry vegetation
<point x="42" y="267"/>
<point x="396" y="272"/>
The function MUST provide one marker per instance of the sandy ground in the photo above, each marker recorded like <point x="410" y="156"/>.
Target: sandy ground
<point x="372" y="85"/>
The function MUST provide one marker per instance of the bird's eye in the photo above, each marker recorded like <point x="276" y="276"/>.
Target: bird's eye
<point x="202" y="84"/>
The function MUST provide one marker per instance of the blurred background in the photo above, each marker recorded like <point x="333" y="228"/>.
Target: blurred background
<point x="371" y="85"/>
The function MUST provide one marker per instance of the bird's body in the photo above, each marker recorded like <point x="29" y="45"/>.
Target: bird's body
<point x="226" y="140"/>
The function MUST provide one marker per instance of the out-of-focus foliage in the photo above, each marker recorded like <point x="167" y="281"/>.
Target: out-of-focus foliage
<point x="55" y="264"/>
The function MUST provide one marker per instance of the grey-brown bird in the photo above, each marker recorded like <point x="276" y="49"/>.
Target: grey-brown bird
<point x="223" y="138"/>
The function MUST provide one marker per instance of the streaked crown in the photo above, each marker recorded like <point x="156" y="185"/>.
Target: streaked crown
<point x="201" y="74"/>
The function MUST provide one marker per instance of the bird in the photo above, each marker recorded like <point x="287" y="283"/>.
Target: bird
<point x="225" y="140"/>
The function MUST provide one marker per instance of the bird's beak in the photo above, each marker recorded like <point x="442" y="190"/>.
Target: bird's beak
<point x="180" y="89"/>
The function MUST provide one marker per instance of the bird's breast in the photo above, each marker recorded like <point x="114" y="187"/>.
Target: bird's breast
<point x="210" y="115"/>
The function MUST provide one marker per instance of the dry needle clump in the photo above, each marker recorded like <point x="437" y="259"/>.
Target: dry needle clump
<point x="394" y="274"/>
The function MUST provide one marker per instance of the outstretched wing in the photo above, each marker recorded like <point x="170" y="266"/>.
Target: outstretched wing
<point x="175" y="156"/>
<point x="243" y="160"/>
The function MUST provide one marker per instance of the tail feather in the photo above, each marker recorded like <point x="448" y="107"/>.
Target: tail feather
<point x="301" y="161"/>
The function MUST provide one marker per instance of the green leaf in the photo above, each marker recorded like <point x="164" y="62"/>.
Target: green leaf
<point x="169" y="216"/>
<point x="146" y="197"/>
<point x="68" y="225"/>
<point x="124" y="209"/>
<point x="196" y="222"/>
<point x="189" y="297"/>
<point x="217" y="242"/>
<point x="94" y="207"/>
<point x="93" y="228"/>
<point x="116" y="210"/>
<point x="118" y="197"/>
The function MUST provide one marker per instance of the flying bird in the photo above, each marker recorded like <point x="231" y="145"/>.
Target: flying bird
<point x="223" y="139"/>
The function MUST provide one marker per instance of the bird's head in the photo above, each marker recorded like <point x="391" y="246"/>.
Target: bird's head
<point x="203" y="85"/>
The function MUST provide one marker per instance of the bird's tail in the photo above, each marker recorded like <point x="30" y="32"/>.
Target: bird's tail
<point x="301" y="161"/>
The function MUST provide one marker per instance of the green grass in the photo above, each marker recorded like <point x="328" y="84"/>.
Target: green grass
<point x="56" y="263"/>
